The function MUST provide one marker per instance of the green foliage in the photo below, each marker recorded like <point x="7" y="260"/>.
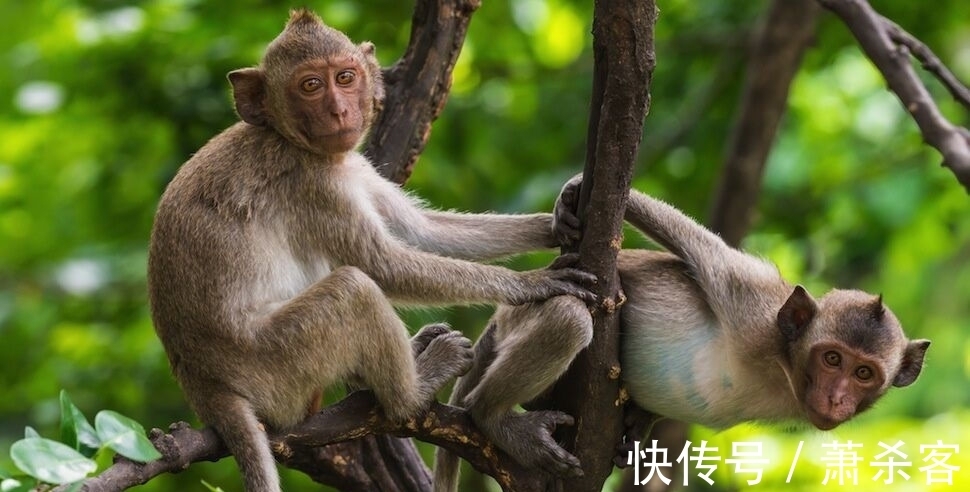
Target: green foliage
<point x="104" y="99"/>
<point x="55" y="462"/>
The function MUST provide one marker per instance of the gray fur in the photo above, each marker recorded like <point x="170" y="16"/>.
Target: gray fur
<point x="710" y="335"/>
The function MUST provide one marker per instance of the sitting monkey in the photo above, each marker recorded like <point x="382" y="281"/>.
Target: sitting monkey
<point x="710" y="335"/>
<point x="277" y="250"/>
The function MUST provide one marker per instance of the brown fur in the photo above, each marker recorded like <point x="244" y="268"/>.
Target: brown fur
<point x="277" y="249"/>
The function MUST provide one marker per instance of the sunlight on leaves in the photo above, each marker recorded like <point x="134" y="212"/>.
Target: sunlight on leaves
<point x="560" y="39"/>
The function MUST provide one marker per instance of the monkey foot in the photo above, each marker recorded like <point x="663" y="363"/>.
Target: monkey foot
<point x="423" y="338"/>
<point x="637" y="423"/>
<point x="446" y="355"/>
<point x="527" y="437"/>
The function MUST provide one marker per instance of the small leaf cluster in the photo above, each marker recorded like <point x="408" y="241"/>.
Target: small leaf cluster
<point x="79" y="452"/>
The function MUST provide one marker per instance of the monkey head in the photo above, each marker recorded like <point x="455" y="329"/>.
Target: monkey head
<point x="313" y="86"/>
<point x="845" y="351"/>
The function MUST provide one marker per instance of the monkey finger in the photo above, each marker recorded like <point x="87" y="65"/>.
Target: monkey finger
<point x="555" y="419"/>
<point x="567" y="260"/>
<point x="578" y="277"/>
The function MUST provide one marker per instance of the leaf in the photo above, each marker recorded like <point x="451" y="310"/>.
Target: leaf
<point x="76" y="431"/>
<point x="30" y="432"/>
<point x="14" y="485"/>
<point x="50" y="461"/>
<point x="125" y="436"/>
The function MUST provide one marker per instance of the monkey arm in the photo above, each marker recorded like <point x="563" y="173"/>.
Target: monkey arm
<point x="476" y="237"/>
<point x="484" y="236"/>
<point x="407" y="274"/>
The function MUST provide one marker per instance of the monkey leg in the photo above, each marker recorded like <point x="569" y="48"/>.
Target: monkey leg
<point x="340" y="326"/>
<point x="536" y="344"/>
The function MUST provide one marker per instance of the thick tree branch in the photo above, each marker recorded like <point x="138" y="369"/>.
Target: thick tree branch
<point x="775" y="55"/>
<point x="418" y="84"/>
<point x="875" y="36"/>
<point x="319" y="439"/>
<point x="623" y="64"/>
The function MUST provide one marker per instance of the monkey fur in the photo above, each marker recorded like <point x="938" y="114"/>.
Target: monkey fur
<point x="710" y="335"/>
<point x="277" y="249"/>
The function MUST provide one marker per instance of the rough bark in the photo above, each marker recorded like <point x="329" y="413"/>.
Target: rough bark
<point x="623" y="64"/>
<point x="417" y="85"/>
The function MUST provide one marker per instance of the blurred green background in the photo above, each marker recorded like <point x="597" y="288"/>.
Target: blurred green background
<point x="101" y="101"/>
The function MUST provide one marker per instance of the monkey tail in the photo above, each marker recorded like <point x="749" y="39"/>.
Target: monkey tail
<point x="236" y="423"/>
<point x="446" y="463"/>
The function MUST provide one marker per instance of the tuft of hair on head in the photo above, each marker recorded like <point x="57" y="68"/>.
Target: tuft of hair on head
<point x="303" y="15"/>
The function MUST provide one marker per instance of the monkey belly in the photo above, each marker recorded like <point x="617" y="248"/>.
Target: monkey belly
<point x="680" y="373"/>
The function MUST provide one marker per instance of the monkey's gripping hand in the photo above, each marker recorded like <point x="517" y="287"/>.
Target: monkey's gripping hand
<point x="566" y="227"/>
<point x="539" y="285"/>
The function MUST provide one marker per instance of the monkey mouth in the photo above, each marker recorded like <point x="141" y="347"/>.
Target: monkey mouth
<point x="822" y="421"/>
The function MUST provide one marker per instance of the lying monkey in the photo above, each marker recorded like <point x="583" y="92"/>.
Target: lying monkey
<point x="711" y="335"/>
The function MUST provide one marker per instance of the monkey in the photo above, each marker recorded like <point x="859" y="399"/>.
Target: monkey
<point x="709" y="335"/>
<point x="277" y="250"/>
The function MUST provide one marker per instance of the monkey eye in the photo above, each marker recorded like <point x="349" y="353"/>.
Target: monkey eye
<point x="311" y="84"/>
<point x="346" y="77"/>
<point x="833" y="358"/>
<point x="864" y="373"/>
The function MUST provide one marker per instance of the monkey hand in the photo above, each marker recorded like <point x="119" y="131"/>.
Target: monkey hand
<point x="539" y="285"/>
<point x="566" y="227"/>
<point x="527" y="438"/>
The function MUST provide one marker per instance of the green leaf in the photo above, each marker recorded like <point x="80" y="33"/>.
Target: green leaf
<point x="76" y="431"/>
<point x="50" y="461"/>
<point x="125" y="436"/>
<point x="14" y="485"/>
<point x="30" y="432"/>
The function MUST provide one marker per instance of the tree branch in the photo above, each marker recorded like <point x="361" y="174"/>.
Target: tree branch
<point x="320" y="438"/>
<point x="623" y="64"/>
<point x="875" y="35"/>
<point x="786" y="32"/>
<point x="930" y="62"/>
<point x="417" y="85"/>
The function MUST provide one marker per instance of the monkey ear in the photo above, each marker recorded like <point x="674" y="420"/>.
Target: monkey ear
<point x="878" y="309"/>
<point x="376" y="75"/>
<point x="912" y="363"/>
<point x="249" y="93"/>
<point x="794" y="317"/>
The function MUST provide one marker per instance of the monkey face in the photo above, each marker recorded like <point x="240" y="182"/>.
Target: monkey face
<point x="330" y="101"/>
<point x="839" y="383"/>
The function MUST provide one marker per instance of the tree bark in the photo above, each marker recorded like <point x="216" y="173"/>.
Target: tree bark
<point x="623" y="64"/>
<point x="417" y="85"/>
